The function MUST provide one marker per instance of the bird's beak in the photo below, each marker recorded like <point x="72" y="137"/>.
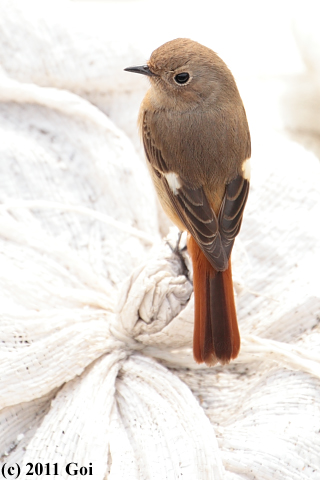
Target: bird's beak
<point x="143" y="69"/>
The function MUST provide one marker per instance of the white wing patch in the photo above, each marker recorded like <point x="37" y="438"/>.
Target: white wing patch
<point x="246" y="169"/>
<point x="173" y="181"/>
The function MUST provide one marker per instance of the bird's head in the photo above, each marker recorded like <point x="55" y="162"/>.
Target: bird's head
<point x="184" y="74"/>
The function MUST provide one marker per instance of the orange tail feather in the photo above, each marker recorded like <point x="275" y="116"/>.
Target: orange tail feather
<point x="216" y="334"/>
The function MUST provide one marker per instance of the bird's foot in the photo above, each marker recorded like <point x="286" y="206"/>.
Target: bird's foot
<point x="178" y="252"/>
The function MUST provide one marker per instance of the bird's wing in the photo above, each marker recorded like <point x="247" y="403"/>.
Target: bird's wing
<point x="214" y="235"/>
<point x="231" y="211"/>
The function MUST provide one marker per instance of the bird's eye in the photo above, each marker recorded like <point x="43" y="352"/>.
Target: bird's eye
<point x="182" y="78"/>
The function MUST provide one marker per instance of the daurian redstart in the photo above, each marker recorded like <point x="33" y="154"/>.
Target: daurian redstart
<point x="197" y="143"/>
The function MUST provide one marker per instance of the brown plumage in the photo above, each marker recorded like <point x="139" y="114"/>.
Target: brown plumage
<point x="197" y="143"/>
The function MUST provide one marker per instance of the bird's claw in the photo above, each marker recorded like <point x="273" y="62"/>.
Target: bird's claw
<point x="178" y="252"/>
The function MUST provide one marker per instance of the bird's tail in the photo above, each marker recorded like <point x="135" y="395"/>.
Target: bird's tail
<point x="216" y="334"/>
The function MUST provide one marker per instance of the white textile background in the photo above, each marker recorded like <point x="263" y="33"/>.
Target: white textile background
<point x="96" y="315"/>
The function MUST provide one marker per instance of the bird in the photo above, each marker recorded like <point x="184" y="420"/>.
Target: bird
<point x="197" y="144"/>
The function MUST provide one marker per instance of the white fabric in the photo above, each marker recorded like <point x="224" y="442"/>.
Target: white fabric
<point x="96" y="316"/>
